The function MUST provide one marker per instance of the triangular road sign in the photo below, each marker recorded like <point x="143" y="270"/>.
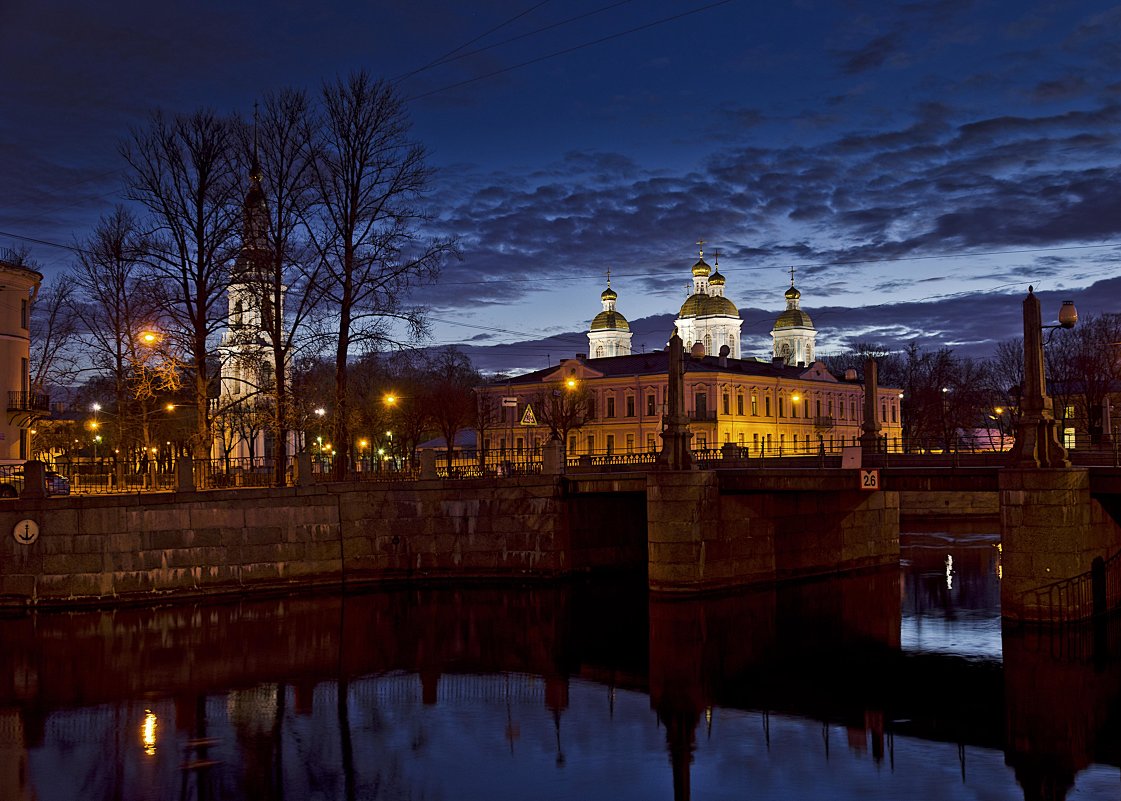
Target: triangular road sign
<point x="529" y="418"/>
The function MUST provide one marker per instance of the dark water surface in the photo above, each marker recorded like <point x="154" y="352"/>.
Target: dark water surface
<point x="897" y="684"/>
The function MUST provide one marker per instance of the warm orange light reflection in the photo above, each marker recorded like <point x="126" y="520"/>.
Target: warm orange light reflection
<point x="148" y="732"/>
<point x="390" y="399"/>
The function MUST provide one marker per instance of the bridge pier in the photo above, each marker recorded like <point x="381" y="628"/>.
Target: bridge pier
<point x="710" y="530"/>
<point x="1051" y="531"/>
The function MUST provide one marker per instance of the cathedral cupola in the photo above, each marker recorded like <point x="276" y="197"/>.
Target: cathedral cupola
<point x="794" y="334"/>
<point x="610" y="333"/>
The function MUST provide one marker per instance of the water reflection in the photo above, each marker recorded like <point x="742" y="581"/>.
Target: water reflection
<point x="882" y="685"/>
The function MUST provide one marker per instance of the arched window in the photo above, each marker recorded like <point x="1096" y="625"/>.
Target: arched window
<point x="708" y="345"/>
<point x="732" y="346"/>
<point x="599" y="351"/>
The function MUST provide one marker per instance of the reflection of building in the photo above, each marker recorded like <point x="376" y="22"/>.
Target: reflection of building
<point x="247" y="377"/>
<point x="783" y="406"/>
<point x="15" y="778"/>
<point x="18" y="288"/>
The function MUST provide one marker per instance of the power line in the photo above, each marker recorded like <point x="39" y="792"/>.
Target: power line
<point x="442" y="59"/>
<point x="450" y="57"/>
<point x="572" y="49"/>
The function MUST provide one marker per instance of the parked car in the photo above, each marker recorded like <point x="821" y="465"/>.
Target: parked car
<point x="11" y="481"/>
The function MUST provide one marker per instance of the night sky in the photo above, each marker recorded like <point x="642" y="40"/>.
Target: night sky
<point x="919" y="163"/>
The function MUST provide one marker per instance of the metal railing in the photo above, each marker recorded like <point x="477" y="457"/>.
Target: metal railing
<point x="28" y="402"/>
<point x="1070" y="600"/>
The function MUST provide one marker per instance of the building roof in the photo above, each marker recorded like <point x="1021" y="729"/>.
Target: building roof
<point x="657" y="363"/>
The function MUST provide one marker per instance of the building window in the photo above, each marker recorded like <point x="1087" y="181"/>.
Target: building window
<point x="768" y="442"/>
<point x="893" y="413"/>
<point x="23" y="309"/>
<point x="766" y="406"/>
<point x="781" y="410"/>
<point x="883" y="412"/>
<point x="651" y="405"/>
<point x="519" y="444"/>
<point x="599" y="351"/>
<point x="830" y="407"/>
<point x="700" y="402"/>
<point x="755" y="441"/>
<point x="591" y="408"/>
<point x="727" y="403"/>
<point x="708" y="345"/>
<point x="781" y="441"/>
<point x="610" y="444"/>
<point x="727" y="437"/>
<point x="572" y="444"/>
<point x="630" y="405"/>
<point x="610" y="406"/>
<point x="702" y="441"/>
<point x="630" y="443"/>
<point x="591" y="444"/>
<point x="817" y="408"/>
<point x="795" y="444"/>
<point x="852" y="409"/>
<point x="739" y="404"/>
<point x="732" y="345"/>
<point x="741" y="439"/>
<point x="650" y="446"/>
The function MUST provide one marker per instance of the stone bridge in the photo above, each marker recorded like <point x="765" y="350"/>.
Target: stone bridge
<point x="691" y="531"/>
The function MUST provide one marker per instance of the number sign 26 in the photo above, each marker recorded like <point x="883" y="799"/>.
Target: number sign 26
<point x="869" y="479"/>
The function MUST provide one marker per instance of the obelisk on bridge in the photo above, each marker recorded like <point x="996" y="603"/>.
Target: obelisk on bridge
<point x="1037" y="432"/>
<point x="870" y="439"/>
<point x="675" y="453"/>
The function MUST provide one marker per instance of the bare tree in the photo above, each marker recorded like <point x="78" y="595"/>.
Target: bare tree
<point x="275" y="263"/>
<point x="120" y="316"/>
<point x="370" y="179"/>
<point x="54" y="333"/>
<point x="184" y="174"/>
<point x="451" y="394"/>
<point x="563" y="407"/>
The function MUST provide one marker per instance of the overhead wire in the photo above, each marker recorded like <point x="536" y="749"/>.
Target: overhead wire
<point x="572" y="49"/>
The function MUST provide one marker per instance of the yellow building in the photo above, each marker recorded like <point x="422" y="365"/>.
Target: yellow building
<point x="614" y="404"/>
<point x="19" y="286"/>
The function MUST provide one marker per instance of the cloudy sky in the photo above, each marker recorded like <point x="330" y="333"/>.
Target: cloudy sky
<point x="917" y="163"/>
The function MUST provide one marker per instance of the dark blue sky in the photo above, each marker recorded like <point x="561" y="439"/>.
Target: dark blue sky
<point x="919" y="163"/>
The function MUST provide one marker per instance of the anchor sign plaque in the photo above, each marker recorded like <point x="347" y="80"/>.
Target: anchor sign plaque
<point x="26" y="532"/>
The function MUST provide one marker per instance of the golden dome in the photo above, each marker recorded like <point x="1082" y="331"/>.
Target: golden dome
<point x="717" y="279"/>
<point x="609" y="294"/>
<point x="610" y="320"/>
<point x="794" y="318"/>
<point x="707" y="306"/>
<point x="701" y="269"/>
<point x="792" y="293"/>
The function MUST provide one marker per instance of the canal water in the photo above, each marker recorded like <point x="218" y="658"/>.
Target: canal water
<point x="895" y="684"/>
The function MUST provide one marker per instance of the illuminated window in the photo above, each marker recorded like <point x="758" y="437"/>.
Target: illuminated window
<point x="630" y="443"/>
<point x="651" y="405"/>
<point x="739" y="404"/>
<point x="727" y="403"/>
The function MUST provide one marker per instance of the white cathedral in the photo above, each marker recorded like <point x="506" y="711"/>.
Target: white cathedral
<point x="710" y="321"/>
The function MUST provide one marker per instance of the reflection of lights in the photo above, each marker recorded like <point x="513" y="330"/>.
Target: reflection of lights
<point x="949" y="572"/>
<point x="148" y="732"/>
<point x="999" y="566"/>
<point x="708" y="715"/>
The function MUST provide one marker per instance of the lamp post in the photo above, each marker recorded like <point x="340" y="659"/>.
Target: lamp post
<point x="1037" y="432"/>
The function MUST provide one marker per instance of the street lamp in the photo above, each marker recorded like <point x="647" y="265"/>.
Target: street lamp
<point x="1037" y="432"/>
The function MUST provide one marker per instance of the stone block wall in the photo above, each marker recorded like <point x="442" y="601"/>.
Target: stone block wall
<point x="704" y="539"/>
<point x="1051" y="532"/>
<point x="116" y="548"/>
<point x="923" y="505"/>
